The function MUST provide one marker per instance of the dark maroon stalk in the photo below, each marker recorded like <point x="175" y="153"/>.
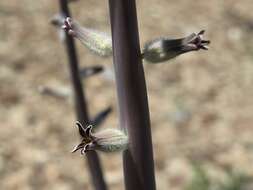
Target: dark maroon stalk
<point x="80" y="103"/>
<point x="132" y="96"/>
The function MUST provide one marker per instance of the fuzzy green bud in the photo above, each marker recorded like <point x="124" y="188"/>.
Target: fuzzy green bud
<point x="163" y="49"/>
<point x="108" y="140"/>
<point x="98" y="42"/>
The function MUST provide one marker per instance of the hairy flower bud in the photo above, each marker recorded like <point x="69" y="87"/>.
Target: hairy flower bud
<point x="90" y="71"/>
<point x="163" y="49"/>
<point x="57" y="92"/>
<point x="57" y="20"/>
<point x="108" y="140"/>
<point x="98" y="42"/>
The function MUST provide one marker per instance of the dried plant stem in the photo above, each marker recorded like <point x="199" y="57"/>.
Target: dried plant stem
<point x="132" y="96"/>
<point x="80" y="103"/>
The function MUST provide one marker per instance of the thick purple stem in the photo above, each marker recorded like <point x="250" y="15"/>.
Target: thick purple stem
<point x="132" y="96"/>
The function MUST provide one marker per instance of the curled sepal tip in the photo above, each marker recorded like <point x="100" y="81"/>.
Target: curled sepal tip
<point x="163" y="49"/>
<point x="107" y="140"/>
<point x="98" y="42"/>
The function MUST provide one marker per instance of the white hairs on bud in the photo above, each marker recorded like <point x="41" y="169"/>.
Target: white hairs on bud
<point x="98" y="42"/>
<point x="111" y="140"/>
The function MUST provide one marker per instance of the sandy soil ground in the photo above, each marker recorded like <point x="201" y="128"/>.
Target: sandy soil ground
<point x="200" y="103"/>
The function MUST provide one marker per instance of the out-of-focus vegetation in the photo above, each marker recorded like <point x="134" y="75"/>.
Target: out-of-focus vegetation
<point x="234" y="180"/>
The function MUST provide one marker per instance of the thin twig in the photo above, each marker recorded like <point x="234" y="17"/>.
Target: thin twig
<point x="80" y="103"/>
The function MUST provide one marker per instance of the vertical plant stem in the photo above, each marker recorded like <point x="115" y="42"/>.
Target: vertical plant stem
<point x="80" y="103"/>
<point x="132" y="96"/>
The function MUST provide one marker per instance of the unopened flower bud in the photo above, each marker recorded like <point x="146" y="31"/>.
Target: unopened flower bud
<point x="90" y="71"/>
<point x="163" y="49"/>
<point x="57" y="21"/>
<point x="108" y="140"/>
<point x="101" y="117"/>
<point x="98" y="42"/>
<point x="57" y="92"/>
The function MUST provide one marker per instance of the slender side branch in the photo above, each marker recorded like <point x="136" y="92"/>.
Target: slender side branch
<point x="80" y="103"/>
<point x="132" y="96"/>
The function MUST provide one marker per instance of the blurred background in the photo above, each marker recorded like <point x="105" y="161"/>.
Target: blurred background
<point x="201" y="104"/>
